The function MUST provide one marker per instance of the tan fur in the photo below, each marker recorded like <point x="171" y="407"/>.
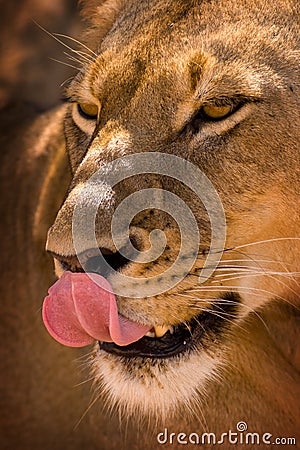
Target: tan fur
<point x="101" y="14"/>
<point x="156" y="68"/>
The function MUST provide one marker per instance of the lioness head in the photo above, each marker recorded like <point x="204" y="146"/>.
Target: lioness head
<point x="208" y="89"/>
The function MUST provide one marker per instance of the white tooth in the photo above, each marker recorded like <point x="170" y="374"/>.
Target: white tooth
<point x="171" y="329"/>
<point x="150" y="334"/>
<point x="160" y="330"/>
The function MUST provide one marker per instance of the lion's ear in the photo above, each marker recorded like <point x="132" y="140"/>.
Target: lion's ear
<point x="101" y="14"/>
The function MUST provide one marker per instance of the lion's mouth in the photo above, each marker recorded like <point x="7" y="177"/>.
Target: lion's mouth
<point x="198" y="333"/>
<point x="170" y="344"/>
<point x="81" y="307"/>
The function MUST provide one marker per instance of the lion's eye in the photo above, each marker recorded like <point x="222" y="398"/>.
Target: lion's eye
<point x="215" y="112"/>
<point x="88" y="110"/>
<point x="211" y="112"/>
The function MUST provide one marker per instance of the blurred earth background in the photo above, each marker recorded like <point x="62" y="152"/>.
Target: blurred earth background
<point x="27" y="73"/>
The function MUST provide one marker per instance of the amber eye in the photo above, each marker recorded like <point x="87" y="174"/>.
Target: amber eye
<point x="88" y="110"/>
<point x="216" y="112"/>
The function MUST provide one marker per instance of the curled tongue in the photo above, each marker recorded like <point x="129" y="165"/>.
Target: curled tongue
<point x="81" y="308"/>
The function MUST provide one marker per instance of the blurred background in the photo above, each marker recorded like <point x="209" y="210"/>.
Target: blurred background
<point x="27" y="73"/>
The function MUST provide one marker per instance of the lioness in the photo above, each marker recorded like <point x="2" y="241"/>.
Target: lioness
<point x="170" y="92"/>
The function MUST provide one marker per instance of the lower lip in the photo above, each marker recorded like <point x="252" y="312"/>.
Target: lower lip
<point x="186" y="337"/>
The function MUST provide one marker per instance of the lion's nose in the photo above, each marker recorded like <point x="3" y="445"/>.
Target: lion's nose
<point x="105" y="262"/>
<point x="101" y="261"/>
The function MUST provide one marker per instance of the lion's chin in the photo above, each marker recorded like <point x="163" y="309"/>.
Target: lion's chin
<point x="155" y="388"/>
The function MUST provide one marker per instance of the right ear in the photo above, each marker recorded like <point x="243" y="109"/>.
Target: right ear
<point x="101" y="15"/>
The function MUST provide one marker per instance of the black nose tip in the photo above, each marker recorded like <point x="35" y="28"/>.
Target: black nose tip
<point x="101" y="261"/>
<point x="105" y="263"/>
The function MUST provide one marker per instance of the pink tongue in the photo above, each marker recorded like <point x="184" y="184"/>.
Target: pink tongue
<point x="81" y="308"/>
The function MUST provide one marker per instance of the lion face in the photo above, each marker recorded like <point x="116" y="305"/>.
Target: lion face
<point x="213" y="85"/>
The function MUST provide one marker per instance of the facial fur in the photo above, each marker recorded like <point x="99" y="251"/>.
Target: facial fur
<point x="155" y="75"/>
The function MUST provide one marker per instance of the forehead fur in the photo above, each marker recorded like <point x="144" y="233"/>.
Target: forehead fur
<point x="102" y="14"/>
<point x="185" y="39"/>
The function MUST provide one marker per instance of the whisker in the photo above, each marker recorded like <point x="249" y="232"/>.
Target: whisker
<point x="235" y="276"/>
<point x="76" y="41"/>
<point x="66" y="81"/>
<point x="86" y="356"/>
<point x="252" y="290"/>
<point x="72" y="58"/>
<point x="239" y="268"/>
<point x="272" y="261"/>
<point x="225" y="288"/>
<point x="281" y="282"/>
<point x="251" y="310"/>
<point x="200" y="324"/>
<point x="187" y="327"/>
<point x="65" y="64"/>
<point x="192" y="297"/>
<point x="219" y="301"/>
<point x="83" y="59"/>
<point x="245" y="289"/>
<point x="293" y="277"/>
<point x="84" y="382"/>
<point x="92" y="403"/>
<point x="264" y="242"/>
<point x="61" y="42"/>
<point x="251" y="274"/>
<point x="220" y="314"/>
<point x="256" y="313"/>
